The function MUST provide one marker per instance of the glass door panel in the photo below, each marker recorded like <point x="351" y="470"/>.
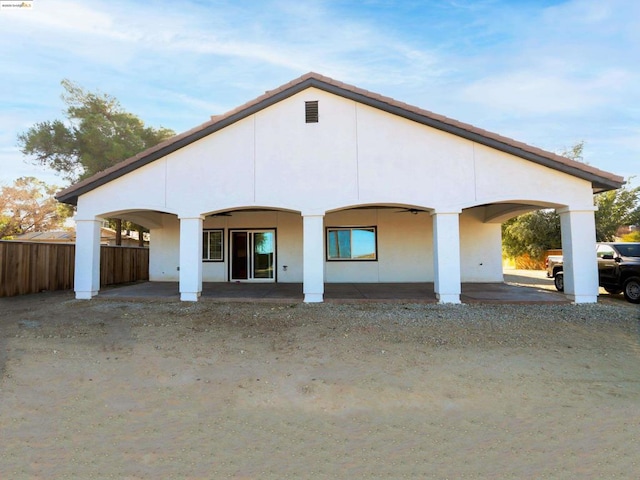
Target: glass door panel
<point x="253" y="255"/>
<point x="263" y="254"/>
<point x="239" y="256"/>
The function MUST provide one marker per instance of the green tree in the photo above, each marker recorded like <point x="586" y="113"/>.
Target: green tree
<point x="575" y="152"/>
<point x="616" y="208"/>
<point x="532" y="233"/>
<point x="29" y="206"/>
<point x="96" y="134"/>
<point x="632" y="236"/>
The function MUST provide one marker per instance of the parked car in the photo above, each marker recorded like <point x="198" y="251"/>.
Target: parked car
<point x="618" y="269"/>
<point x="553" y="264"/>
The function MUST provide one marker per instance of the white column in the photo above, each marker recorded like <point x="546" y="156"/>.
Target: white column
<point x="190" y="258"/>
<point x="313" y="258"/>
<point x="580" y="265"/>
<point x="87" y="263"/>
<point x="446" y="256"/>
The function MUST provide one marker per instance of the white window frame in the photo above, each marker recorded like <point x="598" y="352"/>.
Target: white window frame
<point x="206" y="235"/>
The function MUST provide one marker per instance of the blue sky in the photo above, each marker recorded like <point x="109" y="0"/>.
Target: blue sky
<point x="548" y="73"/>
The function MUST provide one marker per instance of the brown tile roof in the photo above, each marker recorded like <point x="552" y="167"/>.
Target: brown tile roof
<point x="601" y="180"/>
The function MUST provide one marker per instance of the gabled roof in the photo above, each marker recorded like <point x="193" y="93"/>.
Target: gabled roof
<point x="600" y="180"/>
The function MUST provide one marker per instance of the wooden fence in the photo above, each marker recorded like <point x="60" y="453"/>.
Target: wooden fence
<point x="27" y="267"/>
<point x="123" y="264"/>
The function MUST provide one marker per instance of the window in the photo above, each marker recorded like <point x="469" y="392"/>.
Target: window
<point x="629" y="249"/>
<point x="212" y="246"/>
<point x="311" y="111"/>
<point x="605" y="250"/>
<point x="351" y="243"/>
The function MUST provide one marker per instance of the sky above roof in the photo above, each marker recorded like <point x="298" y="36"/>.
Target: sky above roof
<point x="544" y="72"/>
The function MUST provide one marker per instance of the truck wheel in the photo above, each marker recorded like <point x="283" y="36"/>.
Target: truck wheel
<point x="632" y="289"/>
<point x="612" y="291"/>
<point x="558" y="281"/>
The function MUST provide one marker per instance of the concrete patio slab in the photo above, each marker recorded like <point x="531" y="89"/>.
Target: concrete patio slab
<point x="518" y="288"/>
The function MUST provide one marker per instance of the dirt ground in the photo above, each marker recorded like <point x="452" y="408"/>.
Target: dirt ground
<point x="169" y="390"/>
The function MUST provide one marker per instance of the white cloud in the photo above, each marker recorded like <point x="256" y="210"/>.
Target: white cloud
<point x="70" y="17"/>
<point x="492" y="62"/>
<point x="125" y="42"/>
<point x="545" y="92"/>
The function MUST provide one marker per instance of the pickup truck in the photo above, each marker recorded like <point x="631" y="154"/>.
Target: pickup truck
<point x="618" y="269"/>
<point x="553" y="264"/>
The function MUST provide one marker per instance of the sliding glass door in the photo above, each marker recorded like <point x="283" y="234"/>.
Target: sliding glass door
<point x="253" y="255"/>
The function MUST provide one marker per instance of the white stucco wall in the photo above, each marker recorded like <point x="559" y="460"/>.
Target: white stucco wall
<point x="165" y="241"/>
<point x="164" y="250"/>
<point x="499" y="176"/>
<point x="480" y="248"/>
<point x="356" y="155"/>
<point x="405" y="246"/>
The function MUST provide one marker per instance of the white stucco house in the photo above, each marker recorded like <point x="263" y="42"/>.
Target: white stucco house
<point x="318" y="182"/>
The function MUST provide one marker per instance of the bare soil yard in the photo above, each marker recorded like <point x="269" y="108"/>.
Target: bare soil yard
<point x="168" y="390"/>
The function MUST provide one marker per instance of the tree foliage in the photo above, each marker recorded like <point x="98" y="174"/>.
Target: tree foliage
<point x="28" y="206"/>
<point x="616" y="208"/>
<point x="575" y="152"/>
<point x="632" y="236"/>
<point x="532" y="233"/>
<point x="96" y="134"/>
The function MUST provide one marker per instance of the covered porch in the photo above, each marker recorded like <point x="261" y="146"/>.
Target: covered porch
<point x="423" y="256"/>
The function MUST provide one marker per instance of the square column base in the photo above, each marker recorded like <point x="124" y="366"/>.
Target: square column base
<point x="582" y="298"/>
<point x="189" y="296"/>
<point x="448" y="298"/>
<point x="313" y="298"/>
<point x="86" y="295"/>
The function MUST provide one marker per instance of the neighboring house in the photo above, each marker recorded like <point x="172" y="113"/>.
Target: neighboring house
<point x="107" y="237"/>
<point x="319" y="181"/>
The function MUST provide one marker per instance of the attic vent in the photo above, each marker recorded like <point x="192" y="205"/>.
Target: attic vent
<point x="311" y="111"/>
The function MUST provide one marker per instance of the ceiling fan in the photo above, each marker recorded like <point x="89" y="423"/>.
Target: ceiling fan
<point x="412" y="211"/>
